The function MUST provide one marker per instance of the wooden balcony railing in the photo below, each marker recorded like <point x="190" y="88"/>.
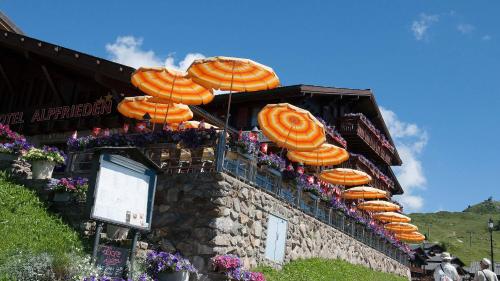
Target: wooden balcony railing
<point x="355" y="128"/>
<point x="379" y="179"/>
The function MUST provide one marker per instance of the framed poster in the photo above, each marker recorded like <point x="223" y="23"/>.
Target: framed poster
<point x="123" y="193"/>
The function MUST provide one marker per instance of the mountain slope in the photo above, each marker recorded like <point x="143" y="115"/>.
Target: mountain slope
<point x="455" y="230"/>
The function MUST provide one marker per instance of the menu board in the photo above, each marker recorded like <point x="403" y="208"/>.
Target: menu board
<point x="112" y="261"/>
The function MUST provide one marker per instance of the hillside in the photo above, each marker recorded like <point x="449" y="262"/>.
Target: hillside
<point x="455" y="229"/>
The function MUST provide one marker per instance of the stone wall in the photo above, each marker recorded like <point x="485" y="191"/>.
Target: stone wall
<point x="207" y="214"/>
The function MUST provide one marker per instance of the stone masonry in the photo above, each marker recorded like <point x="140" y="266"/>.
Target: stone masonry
<point x="203" y="215"/>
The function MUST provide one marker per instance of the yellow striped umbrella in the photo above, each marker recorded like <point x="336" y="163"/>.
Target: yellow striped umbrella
<point x="344" y="176"/>
<point x="378" y="206"/>
<point x="363" y="192"/>
<point x="291" y="127"/>
<point x="412" y="237"/>
<point x="233" y="74"/>
<point x="326" y="154"/>
<point x="171" y="85"/>
<point x="191" y="125"/>
<point x="401" y="227"/>
<point x="391" y="217"/>
<point x="136" y="107"/>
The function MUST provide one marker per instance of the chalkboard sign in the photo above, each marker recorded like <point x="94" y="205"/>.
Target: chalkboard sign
<point x="111" y="261"/>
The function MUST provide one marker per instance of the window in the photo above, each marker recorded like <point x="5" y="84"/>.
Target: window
<point x="276" y="238"/>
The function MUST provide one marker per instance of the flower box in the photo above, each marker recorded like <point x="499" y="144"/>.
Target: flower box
<point x="62" y="197"/>
<point x="7" y="157"/>
<point x="174" y="276"/>
<point x="42" y="169"/>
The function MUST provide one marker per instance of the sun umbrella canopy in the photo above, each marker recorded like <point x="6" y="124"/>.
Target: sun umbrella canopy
<point x="344" y="176"/>
<point x="326" y="154"/>
<point x="401" y="227"/>
<point x="363" y="192"/>
<point x="171" y="85"/>
<point x="291" y="127"/>
<point x="411" y="237"/>
<point x="233" y="74"/>
<point x="378" y="206"/>
<point x="191" y="125"/>
<point x="391" y="217"/>
<point x="137" y="107"/>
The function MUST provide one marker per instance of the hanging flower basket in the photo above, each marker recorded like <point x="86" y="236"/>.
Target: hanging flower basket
<point x="42" y="169"/>
<point x="173" y="276"/>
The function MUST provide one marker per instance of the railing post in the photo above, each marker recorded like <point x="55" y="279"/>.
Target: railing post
<point x="330" y="216"/>
<point x="221" y="149"/>
<point x="299" y="196"/>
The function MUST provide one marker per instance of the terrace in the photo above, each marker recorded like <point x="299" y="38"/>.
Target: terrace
<point x="360" y="132"/>
<point x="177" y="157"/>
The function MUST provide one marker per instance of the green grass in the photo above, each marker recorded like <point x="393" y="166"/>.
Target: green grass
<point x="451" y="229"/>
<point x="27" y="226"/>
<point x="325" y="270"/>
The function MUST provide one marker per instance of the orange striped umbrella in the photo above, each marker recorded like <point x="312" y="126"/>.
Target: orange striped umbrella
<point x="412" y="237"/>
<point x="378" y="206"/>
<point x="401" y="227"/>
<point x="391" y="217"/>
<point x="171" y="85"/>
<point x="363" y="192"/>
<point x="191" y="125"/>
<point x="344" y="176"/>
<point x="326" y="154"/>
<point x="136" y="107"/>
<point x="291" y="127"/>
<point x="233" y="74"/>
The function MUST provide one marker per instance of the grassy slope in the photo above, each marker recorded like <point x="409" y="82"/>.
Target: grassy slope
<point x="325" y="270"/>
<point x="452" y="229"/>
<point x="25" y="224"/>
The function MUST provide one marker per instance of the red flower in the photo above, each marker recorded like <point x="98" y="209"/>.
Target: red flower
<point x="96" y="131"/>
<point x="263" y="148"/>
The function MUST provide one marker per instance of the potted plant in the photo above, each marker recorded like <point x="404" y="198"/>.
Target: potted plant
<point x="66" y="188"/>
<point x="164" y="266"/>
<point x="231" y="266"/>
<point x="7" y="152"/>
<point x="43" y="161"/>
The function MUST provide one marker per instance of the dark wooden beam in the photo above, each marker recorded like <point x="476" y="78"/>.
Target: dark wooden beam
<point x="7" y="80"/>
<point x="51" y="83"/>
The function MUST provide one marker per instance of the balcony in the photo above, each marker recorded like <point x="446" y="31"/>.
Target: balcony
<point x="380" y="180"/>
<point x="363" y="137"/>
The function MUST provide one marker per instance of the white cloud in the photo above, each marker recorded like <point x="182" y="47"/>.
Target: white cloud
<point x="410" y="140"/>
<point x="465" y="28"/>
<point x="128" y="50"/>
<point x="486" y="37"/>
<point x="422" y="25"/>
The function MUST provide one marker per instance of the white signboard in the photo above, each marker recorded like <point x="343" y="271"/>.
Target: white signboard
<point x="123" y="192"/>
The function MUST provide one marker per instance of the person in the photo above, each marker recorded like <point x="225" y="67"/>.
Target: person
<point x="484" y="274"/>
<point x="446" y="271"/>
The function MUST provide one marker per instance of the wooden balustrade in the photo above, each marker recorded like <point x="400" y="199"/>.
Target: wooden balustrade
<point x="356" y="162"/>
<point x="355" y="127"/>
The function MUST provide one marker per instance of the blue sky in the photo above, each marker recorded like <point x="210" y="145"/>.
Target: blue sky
<point x="433" y="65"/>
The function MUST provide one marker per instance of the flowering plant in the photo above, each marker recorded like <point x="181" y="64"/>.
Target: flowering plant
<point x="248" y="143"/>
<point x="158" y="262"/>
<point x="73" y="185"/>
<point x="226" y="262"/>
<point x="15" y="147"/>
<point x="307" y="183"/>
<point x="7" y="135"/>
<point x="272" y="160"/>
<point x="231" y="266"/>
<point x="142" y="277"/>
<point x="45" y="154"/>
<point x="330" y="130"/>
<point x="380" y="136"/>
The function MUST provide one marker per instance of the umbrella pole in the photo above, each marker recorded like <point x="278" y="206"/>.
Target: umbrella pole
<point x="154" y="116"/>
<point x="286" y="139"/>
<point x="169" y="101"/>
<point x="224" y="132"/>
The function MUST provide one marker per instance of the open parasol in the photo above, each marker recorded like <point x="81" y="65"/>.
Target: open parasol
<point x="327" y="154"/>
<point x="291" y="127"/>
<point x="400" y="227"/>
<point x="411" y="237"/>
<point x="137" y="107"/>
<point x="363" y="192"/>
<point x="378" y="206"/>
<point x="344" y="176"/>
<point x="171" y="85"/>
<point x="391" y="217"/>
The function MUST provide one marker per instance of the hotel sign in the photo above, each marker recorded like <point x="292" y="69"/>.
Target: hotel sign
<point x="101" y="106"/>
